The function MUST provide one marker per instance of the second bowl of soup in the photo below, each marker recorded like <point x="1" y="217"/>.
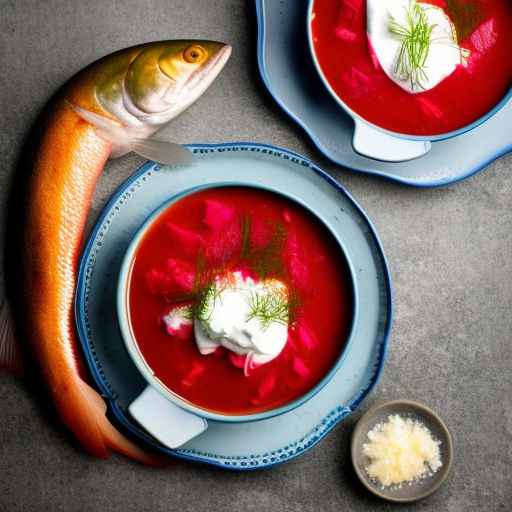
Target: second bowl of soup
<point x="410" y="72"/>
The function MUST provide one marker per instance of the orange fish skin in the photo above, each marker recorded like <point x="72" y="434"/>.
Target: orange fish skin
<point x="69" y="162"/>
<point x="139" y="89"/>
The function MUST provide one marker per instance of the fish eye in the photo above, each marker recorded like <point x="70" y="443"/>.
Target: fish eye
<point x="194" y="54"/>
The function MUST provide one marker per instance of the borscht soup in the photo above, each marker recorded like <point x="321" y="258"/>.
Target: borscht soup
<point x="239" y="300"/>
<point x="415" y="67"/>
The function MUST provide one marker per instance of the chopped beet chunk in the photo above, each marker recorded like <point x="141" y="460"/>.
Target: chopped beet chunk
<point x="304" y="336"/>
<point x="349" y="11"/>
<point x="261" y="233"/>
<point x="197" y="368"/>
<point x="237" y="360"/>
<point x="485" y="36"/>
<point x="190" y="241"/>
<point x="358" y="81"/>
<point x="345" y="34"/>
<point x="294" y="261"/>
<point x="224" y="243"/>
<point x="265" y="387"/>
<point x="218" y="215"/>
<point x="300" y="368"/>
<point x="177" y="277"/>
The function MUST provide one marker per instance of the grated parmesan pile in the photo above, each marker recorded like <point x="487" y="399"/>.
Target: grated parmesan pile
<point x="401" y="450"/>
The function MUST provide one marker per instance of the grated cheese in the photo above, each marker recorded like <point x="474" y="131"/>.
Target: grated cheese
<point x="401" y="450"/>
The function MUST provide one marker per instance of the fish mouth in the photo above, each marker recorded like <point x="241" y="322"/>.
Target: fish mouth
<point x="212" y="69"/>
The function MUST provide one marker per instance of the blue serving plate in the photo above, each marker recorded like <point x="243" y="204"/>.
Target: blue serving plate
<point x="287" y="70"/>
<point x="245" y="445"/>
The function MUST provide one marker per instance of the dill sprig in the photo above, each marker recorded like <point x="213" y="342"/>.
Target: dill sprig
<point x="415" y="35"/>
<point x="268" y="260"/>
<point x="246" y="237"/>
<point x="207" y="288"/>
<point x="206" y="298"/>
<point x="205" y="302"/>
<point x="270" y="307"/>
<point x="188" y="312"/>
<point x="277" y="305"/>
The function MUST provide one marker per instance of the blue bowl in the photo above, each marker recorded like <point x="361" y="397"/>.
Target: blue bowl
<point x="141" y="410"/>
<point x="375" y="142"/>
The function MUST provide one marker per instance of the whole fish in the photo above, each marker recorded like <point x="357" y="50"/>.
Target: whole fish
<point x="110" y="108"/>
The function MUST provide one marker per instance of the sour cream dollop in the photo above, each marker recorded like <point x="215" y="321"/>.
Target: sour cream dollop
<point x="444" y="53"/>
<point x="176" y="319"/>
<point x="230" y="318"/>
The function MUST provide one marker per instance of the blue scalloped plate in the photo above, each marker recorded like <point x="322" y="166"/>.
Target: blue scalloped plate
<point x="246" y="445"/>
<point x="287" y="71"/>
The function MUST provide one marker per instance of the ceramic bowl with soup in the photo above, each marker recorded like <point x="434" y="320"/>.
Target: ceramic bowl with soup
<point x="236" y="304"/>
<point x="411" y="72"/>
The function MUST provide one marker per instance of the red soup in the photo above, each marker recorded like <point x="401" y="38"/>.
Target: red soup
<point x="484" y="27"/>
<point x="259" y="234"/>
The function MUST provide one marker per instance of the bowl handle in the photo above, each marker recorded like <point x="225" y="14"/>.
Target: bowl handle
<point x="165" y="421"/>
<point x="379" y="145"/>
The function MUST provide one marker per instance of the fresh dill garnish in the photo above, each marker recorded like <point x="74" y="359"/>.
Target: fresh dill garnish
<point x="268" y="260"/>
<point x="188" y="312"/>
<point x="205" y="302"/>
<point x="211" y="281"/>
<point x="415" y="35"/>
<point x="294" y="304"/>
<point x="206" y="290"/>
<point x="270" y="307"/>
<point x="416" y="39"/>
<point x="246" y="237"/>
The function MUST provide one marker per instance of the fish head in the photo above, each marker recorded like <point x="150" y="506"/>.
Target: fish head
<point x="159" y="80"/>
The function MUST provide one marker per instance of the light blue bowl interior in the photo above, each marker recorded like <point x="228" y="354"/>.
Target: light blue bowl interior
<point x="131" y="345"/>
<point x="355" y="115"/>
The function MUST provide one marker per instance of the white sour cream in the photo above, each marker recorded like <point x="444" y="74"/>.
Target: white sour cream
<point x="444" y="54"/>
<point x="229" y="322"/>
<point x="176" y="318"/>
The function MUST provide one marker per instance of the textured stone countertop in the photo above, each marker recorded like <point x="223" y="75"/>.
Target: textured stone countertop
<point x="450" y="253"/>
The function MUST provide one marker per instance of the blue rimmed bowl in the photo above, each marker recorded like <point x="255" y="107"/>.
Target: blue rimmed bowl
<point x="378" y="143"/>
<point x="158" y="408"/>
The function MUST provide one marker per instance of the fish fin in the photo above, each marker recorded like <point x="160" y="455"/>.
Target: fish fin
<point x="107" y="128"/>
<point x="86" y="417"/>
<point x="10" y="353"/>
<point x="161" y="151"/>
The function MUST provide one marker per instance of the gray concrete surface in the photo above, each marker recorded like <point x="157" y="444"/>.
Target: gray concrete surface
<point x="450" y="252"/>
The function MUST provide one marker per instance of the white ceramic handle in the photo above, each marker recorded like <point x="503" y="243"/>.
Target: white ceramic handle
<point x="165" y="421"/>
<point x="376" y="144"/>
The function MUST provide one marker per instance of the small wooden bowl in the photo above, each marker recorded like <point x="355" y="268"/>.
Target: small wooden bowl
<point x="406" y="408"/>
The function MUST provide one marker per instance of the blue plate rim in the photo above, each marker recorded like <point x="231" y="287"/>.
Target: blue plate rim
<point x="113" y="408"/>
<point x="405" y="181"/>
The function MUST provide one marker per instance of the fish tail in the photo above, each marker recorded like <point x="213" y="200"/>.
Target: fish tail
<point x="82" y="408"/>
<point x="83" y="411"/>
